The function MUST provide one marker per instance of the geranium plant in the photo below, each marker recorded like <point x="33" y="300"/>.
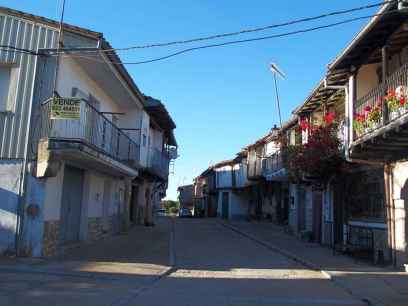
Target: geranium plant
<point x="392" y="101"/>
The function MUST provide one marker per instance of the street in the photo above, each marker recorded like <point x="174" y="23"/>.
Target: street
<point x="211" y="265"/>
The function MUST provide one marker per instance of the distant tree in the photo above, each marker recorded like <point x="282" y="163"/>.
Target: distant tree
<point x="170" y="206"/>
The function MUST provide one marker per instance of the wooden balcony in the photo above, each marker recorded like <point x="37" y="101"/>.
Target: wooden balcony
<point x="384" y="139"/>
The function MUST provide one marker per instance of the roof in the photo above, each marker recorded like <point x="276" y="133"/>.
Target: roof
<point x="52" y="23"/>
<point x="319" y="94"/>
<point x="293" y="120"/>
<point x="156" y="109"/>
<point x="261" y="141"/>
<point x="185" y="186"/>
<point x="365" y="47"/>
<point x="98" y="36"/>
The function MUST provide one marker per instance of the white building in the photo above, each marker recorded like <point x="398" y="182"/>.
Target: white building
<point x="67" y="174"/>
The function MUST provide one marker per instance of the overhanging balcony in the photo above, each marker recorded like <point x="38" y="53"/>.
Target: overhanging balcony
<point x="382" y="135"/>
<point x="89" y="138"/>
<point x="159" y="163"/>
<point x="273" y="168"/>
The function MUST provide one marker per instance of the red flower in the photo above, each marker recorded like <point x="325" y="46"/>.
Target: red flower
<point x="367" y="109"/>
<point x="329" y="118"/>
<point x="303" y="124"/>
<point x="402" y="101"/>
<point x="360" y="117"/>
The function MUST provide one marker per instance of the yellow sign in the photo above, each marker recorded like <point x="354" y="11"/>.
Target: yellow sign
<point x="66" y="108"/>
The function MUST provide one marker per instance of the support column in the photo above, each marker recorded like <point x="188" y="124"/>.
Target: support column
<point x="389" y="208"/>
<point x="384" y="56"/>
<point x="350" y="105"/>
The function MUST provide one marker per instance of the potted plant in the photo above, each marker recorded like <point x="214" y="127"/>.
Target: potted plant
<point x="374" y="117"/>
<point x="393" y="104"/>
<point x="359" y="124"/>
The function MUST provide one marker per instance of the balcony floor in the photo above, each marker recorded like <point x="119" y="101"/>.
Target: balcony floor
<point x="86" y="157"/>
<point x="385" y="144"/>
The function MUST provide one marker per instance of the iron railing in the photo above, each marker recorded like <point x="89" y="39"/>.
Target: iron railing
<point x="92" y="129"/>
<point x="272" y="163"/>
<point x="159" y="162"/>
<point x="375" y="99"/>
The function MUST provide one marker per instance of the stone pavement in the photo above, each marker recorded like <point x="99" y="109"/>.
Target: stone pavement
<point x="108" y="272"/>
<point x="378" y="286"/>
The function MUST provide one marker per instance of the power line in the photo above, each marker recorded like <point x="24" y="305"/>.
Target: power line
<point x="311" y="29"/>
<point x="250" y="30"/>
<point x="235" y="42"/>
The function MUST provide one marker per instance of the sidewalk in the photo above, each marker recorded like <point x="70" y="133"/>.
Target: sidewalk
<point x="110" y="272"/>
<point x="377" y="286"/>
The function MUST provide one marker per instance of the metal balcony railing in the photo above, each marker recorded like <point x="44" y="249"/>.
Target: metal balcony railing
<point x="375" y="100"/>
<point x="272" y="164"/>
<point x="159" y="162"/>
<point x="92" y="129"/>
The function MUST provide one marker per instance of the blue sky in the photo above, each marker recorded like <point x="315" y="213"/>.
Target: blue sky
<point x="221" y="99"/>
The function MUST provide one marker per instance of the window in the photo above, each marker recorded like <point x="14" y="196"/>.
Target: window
<point x="366" y="198"/>
<point x="8" y="77"/>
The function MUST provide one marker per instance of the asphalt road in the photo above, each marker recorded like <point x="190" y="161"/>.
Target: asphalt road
<point x="183" y="262"/>
<point x="217" y="266"/>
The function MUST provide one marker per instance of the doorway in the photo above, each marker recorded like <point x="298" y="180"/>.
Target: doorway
<point x="317" y="216"/>
<point x="133" y="204"/>
<point x="225" y="205"/>
<point x="107" y="199"/>
<point x="71" y="204"/>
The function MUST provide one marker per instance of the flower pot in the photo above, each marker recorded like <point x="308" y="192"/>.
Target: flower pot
<point x="394" y="114"/>
<point x="376" y="125"/>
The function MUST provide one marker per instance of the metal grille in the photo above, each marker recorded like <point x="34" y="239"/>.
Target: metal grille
<point x="93" y="129"/>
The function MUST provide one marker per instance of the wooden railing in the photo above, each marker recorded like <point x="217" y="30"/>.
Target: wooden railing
<point x="375" y="100"/>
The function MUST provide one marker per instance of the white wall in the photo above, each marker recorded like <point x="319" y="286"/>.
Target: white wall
<point x="366" y="79"/>
<point x="224" y="177"/>
<point x="71" y="75"/>
<point x="271" y="147"/>
<point x="9" y="188"/>
<point x="144" y="146"/>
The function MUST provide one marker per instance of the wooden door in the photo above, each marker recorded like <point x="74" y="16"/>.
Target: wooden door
<point x="71" y="204"/>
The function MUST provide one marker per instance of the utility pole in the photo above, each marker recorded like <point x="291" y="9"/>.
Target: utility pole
<point x="276" y="71"/>
<point x="60" y="45"/>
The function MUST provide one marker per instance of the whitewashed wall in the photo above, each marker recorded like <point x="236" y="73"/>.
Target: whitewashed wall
<point x="224" y="177"/>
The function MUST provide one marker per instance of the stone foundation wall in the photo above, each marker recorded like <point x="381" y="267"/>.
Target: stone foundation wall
<point x="50" y="238"/>
<point x="95" y="228"/>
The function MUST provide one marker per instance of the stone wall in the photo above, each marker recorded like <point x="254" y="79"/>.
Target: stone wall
<point x="50" y="238"/>
<point x="95" y="228"/>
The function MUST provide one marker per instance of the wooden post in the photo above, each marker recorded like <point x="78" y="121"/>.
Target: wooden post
<point x="384" y="57"/>
<point x="351" y="101"/>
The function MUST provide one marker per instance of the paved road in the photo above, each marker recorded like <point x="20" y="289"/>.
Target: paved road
<point x="217" y="266"/>
<point x="210" y="265"/>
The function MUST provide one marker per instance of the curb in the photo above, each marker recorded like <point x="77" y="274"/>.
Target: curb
<point x="303" y="262"/>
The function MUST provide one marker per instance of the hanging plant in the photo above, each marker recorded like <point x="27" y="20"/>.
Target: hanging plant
<point x="320" y="157"/>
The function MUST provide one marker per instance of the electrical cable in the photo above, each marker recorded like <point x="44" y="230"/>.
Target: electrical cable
<point x="234" y="42"/>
